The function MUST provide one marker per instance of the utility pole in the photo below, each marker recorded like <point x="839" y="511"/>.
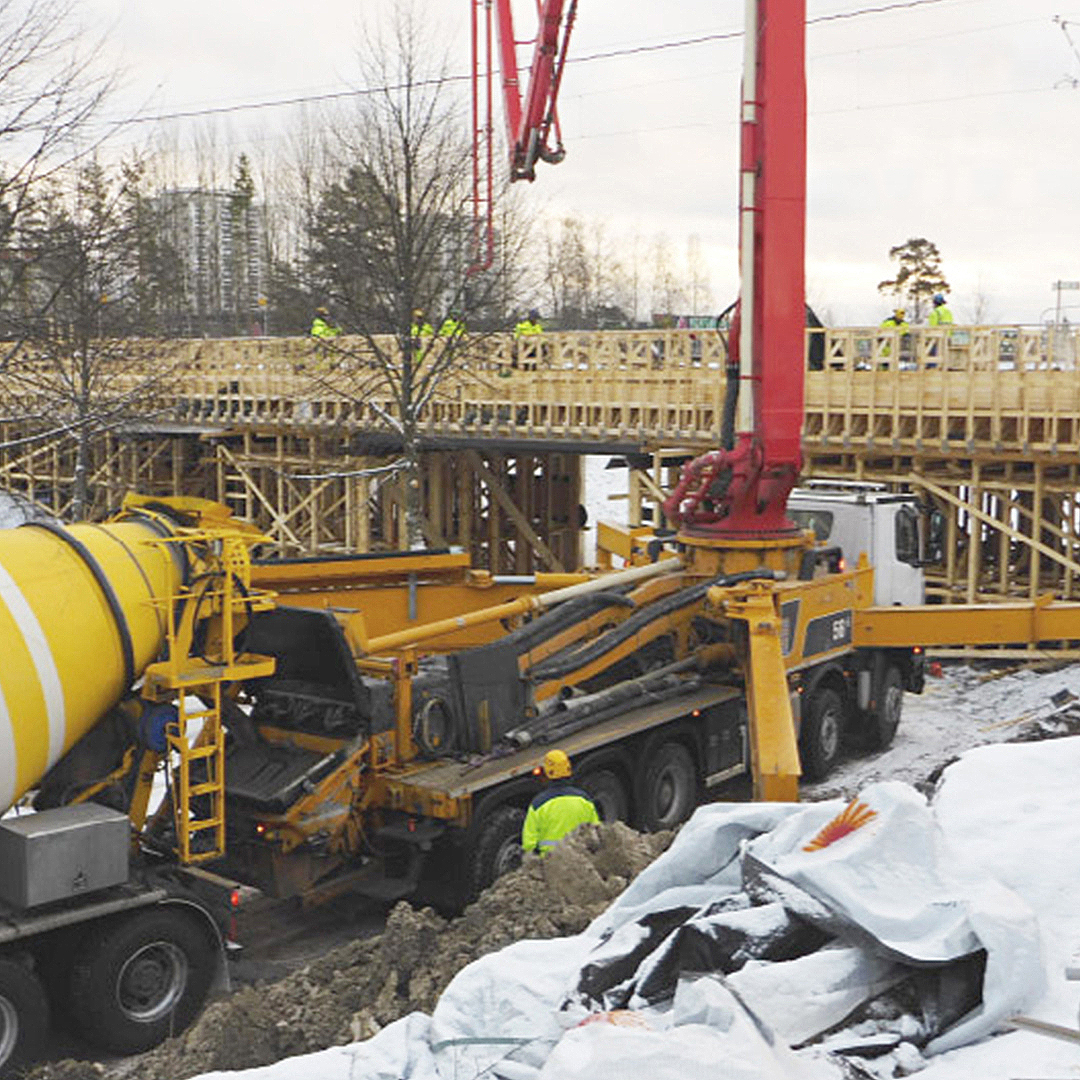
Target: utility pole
<point x="1058" y="287"/>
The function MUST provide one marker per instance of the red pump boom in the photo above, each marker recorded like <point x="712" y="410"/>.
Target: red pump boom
<point x="742" y="489"/>
<point x="531" y="120"/>
<point x="739" y="491"/>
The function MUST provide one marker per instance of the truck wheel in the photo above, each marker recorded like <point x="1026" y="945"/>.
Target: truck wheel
<point x="668" y="788"/>
<point x="881" y="724"/>
<point x="24" y="1016"/>
<point x="141" y="979"/>
<point x="497" y="847"/>
<point x="821" y="734"/>
<point x="608" y="794"/>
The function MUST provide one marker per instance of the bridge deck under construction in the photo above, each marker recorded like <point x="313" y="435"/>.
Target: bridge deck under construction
<point x="984" y="422"/>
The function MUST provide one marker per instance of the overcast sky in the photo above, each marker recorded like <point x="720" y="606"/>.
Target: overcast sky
<point x="950" y="119"/>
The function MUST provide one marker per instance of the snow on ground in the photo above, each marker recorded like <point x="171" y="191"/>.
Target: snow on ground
<point x="602" y="486"/>
<point x="964" y="707"/>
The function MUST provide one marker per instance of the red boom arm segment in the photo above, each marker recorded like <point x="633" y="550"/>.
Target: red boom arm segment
<point x="529" y="122"/>
<point x="742" y="490"/>
<point x="530" y="119"/>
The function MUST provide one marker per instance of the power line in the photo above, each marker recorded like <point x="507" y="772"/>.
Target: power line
<point x="731" y="123"/>
<point x="635" y="50"/>
<point x="897" y="5"/>
<point x="810" y="57"/>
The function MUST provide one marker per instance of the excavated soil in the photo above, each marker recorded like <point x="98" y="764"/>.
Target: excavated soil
<point x="353" y="991"/>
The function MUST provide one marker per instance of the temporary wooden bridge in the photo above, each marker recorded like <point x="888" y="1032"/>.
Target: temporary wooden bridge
<point x="983" y="422"/>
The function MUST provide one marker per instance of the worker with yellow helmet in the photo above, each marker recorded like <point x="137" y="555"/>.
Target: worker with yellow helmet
<point x="558" y="809"/>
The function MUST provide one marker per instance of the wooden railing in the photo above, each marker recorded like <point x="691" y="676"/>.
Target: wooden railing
<point x="969" y="387"/>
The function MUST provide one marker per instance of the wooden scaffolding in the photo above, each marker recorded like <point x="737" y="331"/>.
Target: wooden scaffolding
<point x="983" y="423"/>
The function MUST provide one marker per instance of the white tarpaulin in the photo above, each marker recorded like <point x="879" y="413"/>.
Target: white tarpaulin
<point x="797" y="914"/>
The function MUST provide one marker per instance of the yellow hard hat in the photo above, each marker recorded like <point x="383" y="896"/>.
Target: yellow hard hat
<point x="556" y="765"/>
<point x="899" y="312"/>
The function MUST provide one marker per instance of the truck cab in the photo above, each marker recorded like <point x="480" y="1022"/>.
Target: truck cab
<point x="866" y="519"/>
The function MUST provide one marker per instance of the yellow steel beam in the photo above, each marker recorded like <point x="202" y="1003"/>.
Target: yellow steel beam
<point x="774" y="752"/>
<point x="355" y="570"/>
<point x="968" y="624"/>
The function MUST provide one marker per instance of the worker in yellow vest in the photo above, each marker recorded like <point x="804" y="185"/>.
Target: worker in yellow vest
<point x="453" y="326"/>
<point x="941" y="315"/>
<point x="529" y="325"/>
<point x="559" y="808"/>
<point x="322" y="327"/>
<point x="896" y="321"/>
<point x="524" y="331"/>
<point x="420" y="328"/>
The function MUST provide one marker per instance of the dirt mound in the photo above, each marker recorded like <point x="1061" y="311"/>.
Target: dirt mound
<point x="353" y="991"/>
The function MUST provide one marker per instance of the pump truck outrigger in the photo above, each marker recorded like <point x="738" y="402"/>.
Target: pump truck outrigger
<point x="373" y="722"/>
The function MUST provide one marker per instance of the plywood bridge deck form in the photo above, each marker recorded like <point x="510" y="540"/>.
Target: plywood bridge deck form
<point x="984" y="421"/>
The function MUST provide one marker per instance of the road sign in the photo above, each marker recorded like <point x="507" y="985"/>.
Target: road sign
<point x="1066" y="285"/>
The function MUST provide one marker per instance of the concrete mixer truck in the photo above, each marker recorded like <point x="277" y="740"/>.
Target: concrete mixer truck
<point x="190" y="721"/>
<point x="123" y="937"/>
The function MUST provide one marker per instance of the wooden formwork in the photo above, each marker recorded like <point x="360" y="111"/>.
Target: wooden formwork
<point x="152" y="463"/>
<point x="514" y="513"/>
<point x="982" y="422"/>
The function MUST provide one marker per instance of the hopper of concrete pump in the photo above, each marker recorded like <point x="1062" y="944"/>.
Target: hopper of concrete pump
<point x="488" y="695"/>
<point x="80" y="618"/>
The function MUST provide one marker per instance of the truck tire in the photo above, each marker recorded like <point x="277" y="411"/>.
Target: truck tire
<point x="140" y="979"/>
<point x="883" y="720"/>
<point x="24" y="1016"/>
<point x="821" y="734"/>
<point x="608" y="793"/>
<point x="668" y="787"/>
<point x="497" y="847"/>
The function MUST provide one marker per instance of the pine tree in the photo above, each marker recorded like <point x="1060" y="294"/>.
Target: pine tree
<point x="918" y="275"/>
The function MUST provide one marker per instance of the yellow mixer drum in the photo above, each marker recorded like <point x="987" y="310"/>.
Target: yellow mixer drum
<point x="78" y="624"/>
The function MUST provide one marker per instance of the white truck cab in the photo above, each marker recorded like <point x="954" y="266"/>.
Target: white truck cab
<point x="860" y="518"/>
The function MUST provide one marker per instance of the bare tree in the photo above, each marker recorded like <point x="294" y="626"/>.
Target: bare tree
<point x="48" y="95"/>
<point x="587" y="284"/>
<point x="391" y="235"/>
<point x="85" y="287"/>
<point x="668" y="294"/>
<point x="981" y="308"/>
<point x="698" y="286"/>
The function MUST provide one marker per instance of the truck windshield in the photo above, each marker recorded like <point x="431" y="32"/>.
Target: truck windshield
<point x="818" y="520"/>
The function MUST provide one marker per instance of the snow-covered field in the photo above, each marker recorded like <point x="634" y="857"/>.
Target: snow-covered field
<point x="962" y="708"/>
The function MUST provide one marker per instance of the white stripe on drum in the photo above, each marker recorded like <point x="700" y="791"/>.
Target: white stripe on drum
<point x="8" y="764"/>
<point x="44" y="664"/>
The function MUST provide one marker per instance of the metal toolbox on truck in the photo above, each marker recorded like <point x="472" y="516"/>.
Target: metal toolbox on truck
<point x="58" y="854"/>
